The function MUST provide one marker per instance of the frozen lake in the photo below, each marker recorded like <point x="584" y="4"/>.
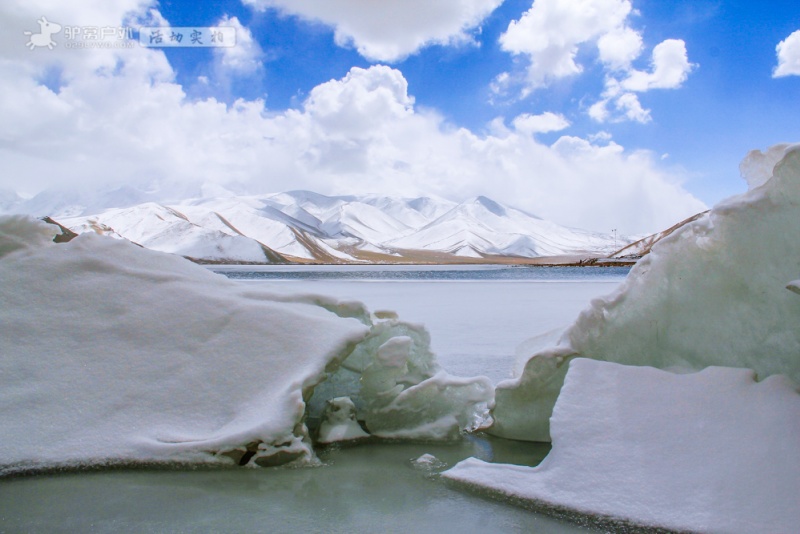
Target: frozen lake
<point x="477" y="316"/>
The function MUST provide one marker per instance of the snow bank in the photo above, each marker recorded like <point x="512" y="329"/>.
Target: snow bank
<point x="713" y="451"/>
<point x="712" y="293"/>
<point x="111" y="353"/>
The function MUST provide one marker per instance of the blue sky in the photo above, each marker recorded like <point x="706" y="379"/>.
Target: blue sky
<point x="729" y="104"/>
<point x="491" y="98"/>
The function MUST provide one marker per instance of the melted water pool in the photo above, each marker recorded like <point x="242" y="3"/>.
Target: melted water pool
<point x="363" y="488"/>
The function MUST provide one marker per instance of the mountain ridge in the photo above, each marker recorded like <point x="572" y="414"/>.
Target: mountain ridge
<point x="307" y="227"/>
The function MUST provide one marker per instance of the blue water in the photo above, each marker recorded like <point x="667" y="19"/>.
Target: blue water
<point x="437" y="273"/>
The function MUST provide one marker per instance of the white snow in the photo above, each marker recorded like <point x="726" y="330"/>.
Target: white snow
<point x="168" y="230"/>
<point x="114" y="353"/>
<point x="480" y="225"/>
<point x="713" y="451"/>
<point x="308" y="226"/>
<point x="711" y="293"/>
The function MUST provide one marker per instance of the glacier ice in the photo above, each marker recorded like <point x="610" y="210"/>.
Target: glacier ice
<point x="711" y="293"/>
<point x="633" y="446"/>
<point x="398" y="389"/>
<point x="112" y="354"/>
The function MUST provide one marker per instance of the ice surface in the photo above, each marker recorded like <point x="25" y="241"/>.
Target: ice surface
<point x="475" y="325"/>
<point x="713" y="451"/>
<point x="113" y="353"/>
<point x="712" y="293"/>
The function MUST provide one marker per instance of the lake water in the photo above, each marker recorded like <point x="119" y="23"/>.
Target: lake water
<point x="477" y="317"/>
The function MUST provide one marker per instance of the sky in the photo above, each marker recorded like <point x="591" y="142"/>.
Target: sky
<point x="599" y="114"/>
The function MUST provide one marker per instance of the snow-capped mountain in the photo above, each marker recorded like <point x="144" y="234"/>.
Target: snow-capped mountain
<point x="307" y="227"/>
<point x="481" y="226"/>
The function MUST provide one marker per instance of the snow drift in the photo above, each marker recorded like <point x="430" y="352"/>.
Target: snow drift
<point x="111" y="353"/>
<point x="713" y="451"/>
<point x="712" y="293"/>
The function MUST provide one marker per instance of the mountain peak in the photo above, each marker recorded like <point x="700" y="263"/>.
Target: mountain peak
<point x="305" y="226"/>
<point x="490" y="205"/>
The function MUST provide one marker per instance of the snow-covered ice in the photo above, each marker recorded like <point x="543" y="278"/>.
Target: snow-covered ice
<point x="339" y="422"/>
<point x="712" y="451"/>
<point x="711" y="293"/>
<point x="112" y="353"/>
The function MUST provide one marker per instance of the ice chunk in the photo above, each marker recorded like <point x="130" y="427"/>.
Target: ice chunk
<point x="712" y="293"/>
<point x="794" y="286"/>
<point x="757" y="167"/>
<point x="400" y="392"/>
<point x="112" y="353"/>
<point x="428" y="463"/>
<point x="713" y="451"/>
<point x="339" y="422"/>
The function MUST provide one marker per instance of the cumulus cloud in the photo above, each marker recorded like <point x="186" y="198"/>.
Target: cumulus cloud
<point x="551" y="34"/>
<point x="390" y="30"/>
<point x="788" y="52"/>
<point x="133" y="125"/>
<point x="246" y="57"/>
<point x="546" y="122"/>
<point x="671" y="67"/>
<point x="619" y="102"/>
<point x="620" y="47"/>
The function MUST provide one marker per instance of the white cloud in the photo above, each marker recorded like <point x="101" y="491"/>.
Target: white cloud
<point x="619" y="47"/>
<point x="629" y="105"/>
<point x="671" y="67"/>
<point x="389" y="30"/>
<point x="546" y="122"/>
<point x="244" y="58"/>
<point x="550" y="32"/>
<point x="788" y="52"/>
<point x="624" y="106"/>
<point x="133" y="125"/>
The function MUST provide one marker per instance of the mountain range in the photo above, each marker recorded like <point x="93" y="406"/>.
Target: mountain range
<point x="307" y="227"/>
